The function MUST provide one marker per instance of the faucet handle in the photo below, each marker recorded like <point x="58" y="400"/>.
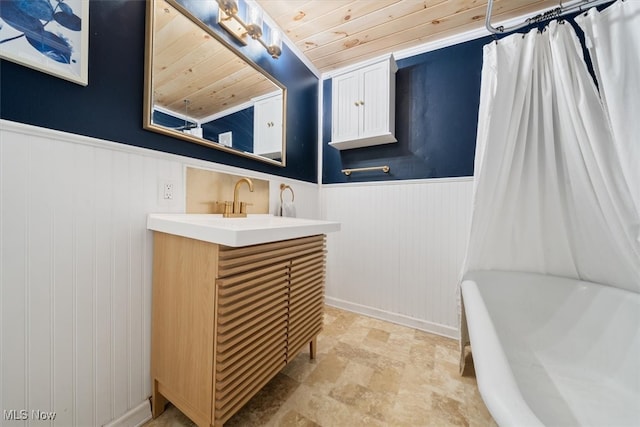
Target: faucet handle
<point x="243" y="207"/>
<point x="227" y="208"/>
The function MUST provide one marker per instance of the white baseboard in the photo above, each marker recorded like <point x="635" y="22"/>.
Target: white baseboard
<point x="423" y="325"/>
<point x="135" y="417"/>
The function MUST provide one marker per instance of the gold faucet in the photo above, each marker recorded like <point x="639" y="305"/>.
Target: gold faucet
<point x="238" y="209"/>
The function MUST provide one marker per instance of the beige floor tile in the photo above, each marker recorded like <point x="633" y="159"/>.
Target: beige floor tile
<point x="354" y="335"/>
<point x="446" y="411"/>
<point x="411" y="408"/>
<point x="301" y="366"/>
<point x="171" y="417"/>
<point x="327" y="411"/>
<point x="374" y="403"/>
<point x="367" y="372"/>
<point x="356" y="373"/>
<point x="371" y="323"/>
<point x="327" y="371"/>
<point x="378" y="335"/>
<point x="422" y="355"/>
<point x="447" y="385"/>
<point x="295" y="419"/>
<point x="386" y="379"/>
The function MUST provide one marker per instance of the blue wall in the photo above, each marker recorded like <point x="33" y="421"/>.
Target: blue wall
<point x="437" y="100"/>
<point x="167" y="120"/>
<point x="240" y="124"/>
<point x="110" y="107"/>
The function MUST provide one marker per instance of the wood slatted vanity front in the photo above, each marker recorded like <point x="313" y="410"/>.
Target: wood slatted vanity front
<point x="227" y="319"/>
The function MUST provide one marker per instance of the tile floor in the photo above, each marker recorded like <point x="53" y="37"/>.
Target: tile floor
<point x="367" y="373"/>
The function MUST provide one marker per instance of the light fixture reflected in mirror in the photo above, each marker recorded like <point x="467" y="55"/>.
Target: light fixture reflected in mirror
<point x="254" y="21"/>
<point x="228" y="12"/>
<point x="230" y="7"/>
<point x="229" y="85"/>
<point x="275" y="43"/>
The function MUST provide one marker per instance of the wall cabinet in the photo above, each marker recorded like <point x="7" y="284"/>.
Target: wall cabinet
<point x="363" y="106"/>
<point x="267" y="127"/>
<point x="227" y="319"/>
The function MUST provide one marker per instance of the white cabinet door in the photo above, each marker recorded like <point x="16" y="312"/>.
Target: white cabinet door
<point x="363" y="106"/>
<point x="267" y="127"/>
<point x="374" y="100"/>
<point x="345" y="116"/>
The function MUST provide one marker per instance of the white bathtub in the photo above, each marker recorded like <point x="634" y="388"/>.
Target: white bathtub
<point x="553" y="351"/>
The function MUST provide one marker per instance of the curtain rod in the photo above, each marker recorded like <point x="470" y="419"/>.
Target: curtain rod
<point x="549" y="14"/>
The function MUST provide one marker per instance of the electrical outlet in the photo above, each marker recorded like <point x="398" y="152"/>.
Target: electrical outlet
<point x="167" y="191"/>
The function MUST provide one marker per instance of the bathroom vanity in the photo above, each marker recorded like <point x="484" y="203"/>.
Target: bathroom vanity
<point x="234" y="301"/>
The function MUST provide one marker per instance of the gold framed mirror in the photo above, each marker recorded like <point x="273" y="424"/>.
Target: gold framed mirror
<point x="200" y="89"/>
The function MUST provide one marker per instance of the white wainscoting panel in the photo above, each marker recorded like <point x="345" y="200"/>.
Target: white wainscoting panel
<point x="75" y="265"/>
<point x="75" y="272"/>
<point x="400" y="249"/>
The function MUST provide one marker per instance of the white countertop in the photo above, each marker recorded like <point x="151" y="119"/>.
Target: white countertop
<point x="252" y="230"/>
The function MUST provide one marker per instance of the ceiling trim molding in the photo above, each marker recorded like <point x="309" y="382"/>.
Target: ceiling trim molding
<point x="175" y="114"/>
<point x="332" y="73"/>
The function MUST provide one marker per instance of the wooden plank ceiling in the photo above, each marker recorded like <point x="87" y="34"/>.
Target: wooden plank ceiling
<point x="336" y="33"/>
<point x="190" y="64"/>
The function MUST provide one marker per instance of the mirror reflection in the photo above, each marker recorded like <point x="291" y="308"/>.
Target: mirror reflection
<point x="200" y="90"/>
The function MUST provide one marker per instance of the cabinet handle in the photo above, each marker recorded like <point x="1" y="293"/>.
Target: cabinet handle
<point x="361" y="102"/>
<point x="356" y="103"/>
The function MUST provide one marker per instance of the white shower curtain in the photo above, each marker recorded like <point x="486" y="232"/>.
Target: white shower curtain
<point x="550" y="194"/>
<point x="613" y="40"/>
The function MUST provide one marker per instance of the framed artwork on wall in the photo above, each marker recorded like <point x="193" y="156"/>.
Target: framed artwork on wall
<point x="51" y="36"/>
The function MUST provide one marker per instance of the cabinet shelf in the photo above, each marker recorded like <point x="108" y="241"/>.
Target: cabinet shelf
<point x="348" y="144"/>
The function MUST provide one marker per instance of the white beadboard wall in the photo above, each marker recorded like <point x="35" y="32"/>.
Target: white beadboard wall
<point x="75" y="271"/>
<point x="399" y="252"/>
<point x="75" y="264"/>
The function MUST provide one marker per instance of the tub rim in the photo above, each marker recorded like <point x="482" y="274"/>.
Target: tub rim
<point x="496" y="382"/>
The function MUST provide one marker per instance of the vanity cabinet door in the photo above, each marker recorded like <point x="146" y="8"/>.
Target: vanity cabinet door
<point x="259" y="310"/>
<point x="306" y="298"/>
<point x="251" y="331"/>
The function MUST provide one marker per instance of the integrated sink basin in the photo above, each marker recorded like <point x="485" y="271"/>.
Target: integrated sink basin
<point x="252" y="230"/>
